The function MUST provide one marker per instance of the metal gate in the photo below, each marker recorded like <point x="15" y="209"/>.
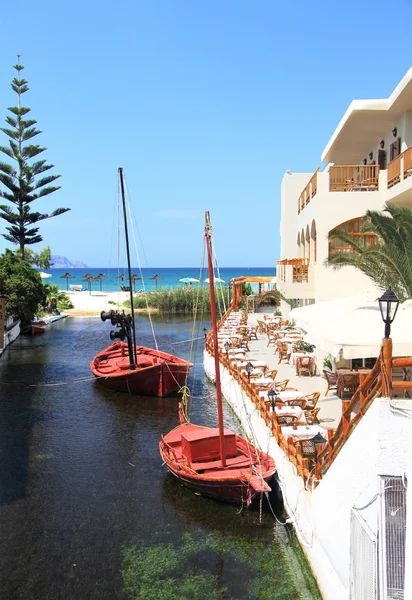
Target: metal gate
<point x="363" y="559"/>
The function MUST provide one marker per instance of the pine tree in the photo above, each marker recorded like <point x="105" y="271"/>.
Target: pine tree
<point x="23" y="181"/>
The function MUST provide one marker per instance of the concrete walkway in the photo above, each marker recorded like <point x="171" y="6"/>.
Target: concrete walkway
<point x="330" y="405"/>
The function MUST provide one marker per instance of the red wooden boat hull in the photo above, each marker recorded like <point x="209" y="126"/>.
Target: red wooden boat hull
<point x="38" y="326"/>
<point x="157" y="373"/>
<point x="246" y="474"/>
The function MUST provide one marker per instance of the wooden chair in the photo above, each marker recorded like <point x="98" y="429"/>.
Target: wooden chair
<point x="297" y="402"/>
<point x="347" y="383"/>
<point x="308" y="449"/>
<point x="261" y="327"/>
<point x="283" y="351"/>
<point x="272" y="338"/>
<point x="312" y="416"/>
<point x="272" y="373"/>
<point x="281" y="385"/>
<point x="253" y="332"/>
<point x="304" y="364"/>
<point x="312" y="400"/>
<point x="286" y="419"/>
<point x="244" y="341"/>
<point x="332" y="381"/>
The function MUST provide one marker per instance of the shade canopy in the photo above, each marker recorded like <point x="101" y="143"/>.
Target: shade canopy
<point x="357" y="330"/>
<point x="189" y="280"/>
<point x="45" y="275"/>
<point x="217" y="280"/>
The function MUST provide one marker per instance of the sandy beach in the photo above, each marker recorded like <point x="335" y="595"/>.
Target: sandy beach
<point x="91" y="305"/>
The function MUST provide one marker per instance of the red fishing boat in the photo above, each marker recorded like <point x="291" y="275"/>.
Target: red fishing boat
<point x="153" y="373"/>
<point x="215" y="461"/>
<point x="38" y="326"/>
<point x="126" y="367"/>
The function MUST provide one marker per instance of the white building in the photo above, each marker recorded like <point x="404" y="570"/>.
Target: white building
<point x="369" y="161"/>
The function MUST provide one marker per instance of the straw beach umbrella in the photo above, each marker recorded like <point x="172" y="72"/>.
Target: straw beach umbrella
<point x="67" y="276"/>
<point x="134" y="279"/>
<point x="89" y="280"/>
<point x="156" y="278"/>
<point x="100" y="277"/>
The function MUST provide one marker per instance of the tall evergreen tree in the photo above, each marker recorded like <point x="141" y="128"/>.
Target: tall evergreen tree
<point x="24" y="181"/>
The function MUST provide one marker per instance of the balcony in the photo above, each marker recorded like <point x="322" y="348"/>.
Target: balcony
<point x="341" y="178"/>
<point x="400" y="168"/>
<point x="295" y="277"/>
<point x="309" y="192"/>
<point x="354" y="178"/>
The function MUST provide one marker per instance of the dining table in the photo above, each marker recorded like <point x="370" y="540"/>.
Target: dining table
<point x="303" y="431"/>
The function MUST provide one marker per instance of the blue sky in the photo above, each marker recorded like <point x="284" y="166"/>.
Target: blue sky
<point x="204" y="104"/>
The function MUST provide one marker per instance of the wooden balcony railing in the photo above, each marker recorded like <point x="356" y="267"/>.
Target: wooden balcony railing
<point x="300" y="269"/>
<point x="309" y="192"/>
<point x="400" y="167"/>
<point x="354" y="178"/>
<point x="372" y="385"/>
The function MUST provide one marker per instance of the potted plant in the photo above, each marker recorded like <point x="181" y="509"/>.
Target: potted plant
<point x="327" y="363"/>
<point x="305" y="347"/>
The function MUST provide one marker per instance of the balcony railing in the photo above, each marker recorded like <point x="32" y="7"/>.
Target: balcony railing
<point x="309" y="191"/>
<point x="400" y="167"/>
<point x="354" y="178"/>
<point x="300" y="269"/>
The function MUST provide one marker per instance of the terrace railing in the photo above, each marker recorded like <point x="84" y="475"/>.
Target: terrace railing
<point x="400" y="167"/>
<point x="354" y="178"/>
<point x="378" y="382"/>
<point x="309" y="191"/>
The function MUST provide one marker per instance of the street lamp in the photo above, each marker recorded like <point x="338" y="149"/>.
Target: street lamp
<point x="388" y="304"/>
<point x="204" y="331"/>
<point x="227" y="346"/>
<point x="249" y="369"/>
<point x="318" y="439"/>
<point x="272" y="396"/>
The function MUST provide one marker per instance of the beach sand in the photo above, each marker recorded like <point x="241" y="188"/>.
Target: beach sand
<point x="91" y="305"/>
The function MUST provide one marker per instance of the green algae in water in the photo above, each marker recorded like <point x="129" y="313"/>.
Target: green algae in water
<point x="208" y="566"/>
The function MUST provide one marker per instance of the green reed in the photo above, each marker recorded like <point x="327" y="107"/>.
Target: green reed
<point x="181" y="300"/>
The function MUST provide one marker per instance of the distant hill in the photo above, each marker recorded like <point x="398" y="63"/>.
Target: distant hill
<point x="61" y="262"/>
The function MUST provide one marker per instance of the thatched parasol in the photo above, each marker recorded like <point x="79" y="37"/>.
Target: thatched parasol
<point x="67" y="276"/>
<point x="156" y="278"/>
<point x="134" y="279"/>
<point x="100" y="277"/>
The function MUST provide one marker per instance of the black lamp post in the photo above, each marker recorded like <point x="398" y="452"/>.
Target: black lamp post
<point x="204" y="331"/>
<point x="388" y="304"/>
<point x="227" y="346"/>
<point x="272" y="396"/>
<point x="318" y="439"/>
<point x="249" y="369"/>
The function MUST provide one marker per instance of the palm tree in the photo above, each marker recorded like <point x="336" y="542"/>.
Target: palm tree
<point x="388" y="259"/>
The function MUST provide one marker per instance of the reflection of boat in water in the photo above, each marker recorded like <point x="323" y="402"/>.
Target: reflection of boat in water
<point x="126" y="367"/>
<point x="216" y="461"/>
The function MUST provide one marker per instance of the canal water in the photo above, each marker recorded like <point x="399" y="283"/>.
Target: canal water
<point x="87" y="511"/>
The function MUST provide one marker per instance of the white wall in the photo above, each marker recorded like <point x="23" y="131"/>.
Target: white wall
<point x="378" y="446"/>
<point x="291" y="188"/>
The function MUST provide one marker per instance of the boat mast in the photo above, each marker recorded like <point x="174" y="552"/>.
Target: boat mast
<point x="208" y="238"/>
<point x="129" y="341"/>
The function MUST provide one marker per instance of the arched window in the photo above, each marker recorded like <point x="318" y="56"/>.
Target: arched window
<point x="302" y="244"/>
<point x="307" y="253"/>
<point x="298" y="244"/>
<point x="313" y="236"/>
<point x="354" y="228"/>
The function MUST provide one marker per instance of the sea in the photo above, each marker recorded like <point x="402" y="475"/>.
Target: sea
<point x="167" y="277"/>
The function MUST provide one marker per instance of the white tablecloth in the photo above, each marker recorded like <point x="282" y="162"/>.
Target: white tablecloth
<point x="303" y="432"/>
<point x="295" y="355"/>
<point x="291" y="395"/>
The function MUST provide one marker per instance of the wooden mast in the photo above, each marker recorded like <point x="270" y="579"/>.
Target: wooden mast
<point x="126" y="233"/>
<point x="208" y="238"/>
